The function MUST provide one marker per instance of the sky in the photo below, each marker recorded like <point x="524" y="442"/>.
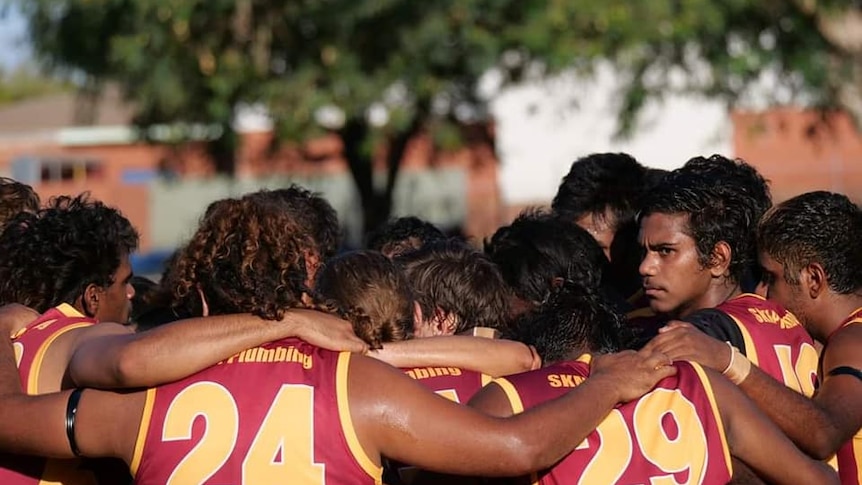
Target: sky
<point x="13" y="42"/>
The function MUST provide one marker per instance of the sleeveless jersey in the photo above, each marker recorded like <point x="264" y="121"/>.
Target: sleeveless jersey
<point x="271" y="414"/>
<point x="674" y="432"/>
<point x="775" y="341"/>
<point x="31" y="344"/>
<point x="850" y="454"/>
<point x="453" y="383"/>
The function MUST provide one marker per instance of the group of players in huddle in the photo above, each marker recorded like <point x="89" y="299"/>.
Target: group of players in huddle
<point x="662" y="327"/>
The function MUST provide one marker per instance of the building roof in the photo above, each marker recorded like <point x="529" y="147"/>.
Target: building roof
<point x="57" y="111"/>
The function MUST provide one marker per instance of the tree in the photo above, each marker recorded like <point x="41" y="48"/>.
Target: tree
<point x="377" y="72"/>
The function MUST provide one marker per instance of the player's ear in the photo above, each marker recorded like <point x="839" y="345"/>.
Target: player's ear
<point x="90" y="299"/>
<point x="719" y="261"/>
<point x="813" y="280"/>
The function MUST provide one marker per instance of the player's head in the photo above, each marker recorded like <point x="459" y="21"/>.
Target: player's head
<point x="457" y="289"/>
<point x="735" y="179"/>
<point x="696" y="240"/>
<point x="403" y="234"/>
<point x="247" y="256"/>
<point x="371" y="292"/>
<point x="540" y="250"/>
<point x="600" y="193"/>
<point x="575" y="320"/>
<point x="811" y="249"/>
<point x="75" y="251"/>
<point x="315" y="215"/>
<point x="16" y="197"/>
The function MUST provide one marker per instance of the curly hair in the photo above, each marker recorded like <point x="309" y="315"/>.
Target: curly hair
<point x="313" y="213"/>
<point x="539" y="247"/>
<point x="16" y="197"/>
<point x="601" y="182"/>
<point x="403" y="234"/>
<point x="822" y="227"/>
<point x="460" y="281"/>
<point x="247" y="256"/>
<point x="575" y="317"/>
<point x="369" y="291"/>
<point x="715" y="214"/>
<point x="51" y="256"/>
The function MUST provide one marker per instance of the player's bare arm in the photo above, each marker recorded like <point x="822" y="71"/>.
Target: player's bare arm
<point x="488" y="356"/>
<point x="760" y="444"/>
<point x="14" y="317"/>
<point x="397" y="415"/>
<point x="810" y="423"/>
<point x="111" y="356"/>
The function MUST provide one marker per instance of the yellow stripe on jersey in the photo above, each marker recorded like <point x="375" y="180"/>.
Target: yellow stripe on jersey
<point x="486" y="379"/>
<point x="143" y="429"/>
<point x="511" y="394"/>
<point x="750" y="349"/>
<point x="755" y="295"/>
<point x="373" y="471"/>
<point x="36" y="367"/>
<point x="69" y="311"/>
<point x="707" y="387"/>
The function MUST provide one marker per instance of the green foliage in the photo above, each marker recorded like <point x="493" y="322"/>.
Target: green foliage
<point x="197" y="60"/>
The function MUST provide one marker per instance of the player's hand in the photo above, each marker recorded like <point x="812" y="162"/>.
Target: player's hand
<point x="682" y="341"/>
<point x="537" y="359"/>
<point x="632" y="373"/>
<point x="323" y="330"/>
<point x="14" y="317"/>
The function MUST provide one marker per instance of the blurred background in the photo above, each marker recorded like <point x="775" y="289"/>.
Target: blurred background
<point x="462" y="112"/>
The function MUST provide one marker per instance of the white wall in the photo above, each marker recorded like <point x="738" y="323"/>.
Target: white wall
<point x="543" y="128"/>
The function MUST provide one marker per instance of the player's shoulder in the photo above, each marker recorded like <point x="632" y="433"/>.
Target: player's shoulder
<point x="843" y="348"/>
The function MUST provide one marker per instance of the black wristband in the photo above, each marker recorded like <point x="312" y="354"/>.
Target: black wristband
<point x="846" y="371"/>
<point x="71" y="413"/>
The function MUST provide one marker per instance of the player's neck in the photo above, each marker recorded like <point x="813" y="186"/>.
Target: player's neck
<point x="717" y="293"/>
<point x="835" y="310"/>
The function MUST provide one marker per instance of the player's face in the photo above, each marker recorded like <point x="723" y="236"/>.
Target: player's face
<point x="601" y="227"/>
<point x="115" y="302"/>
<point x="788" y="295"/>
<point x="674" y="281"/>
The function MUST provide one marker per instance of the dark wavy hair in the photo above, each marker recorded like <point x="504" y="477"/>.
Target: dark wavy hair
<point x="715" y="214"/>
<point x="247" y="256"/>
<point x="602" y="182"/>
<point x="50" y="256"/>
<point x="575" y="317"/>
<point x="736" y="179"/>
<point x="458" y="280"/>
<point x="313" y="213"/>
<point x="16" y="197"/>
<point x="369" y="291"/>
<point x="539" y="247"/>
<point x="403" y="234"/>
<point x="821" y="227"/>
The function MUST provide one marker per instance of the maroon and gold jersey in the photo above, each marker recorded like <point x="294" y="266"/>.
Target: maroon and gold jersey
<point x="674" y="433"/>
<point x="31" y="344"/>
<point x="775" y="341"/>
<point x="453" y="383"/>
<point x="272" y="414"/>
<point x="850" y="454"/>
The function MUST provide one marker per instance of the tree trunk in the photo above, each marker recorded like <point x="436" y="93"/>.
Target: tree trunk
<point x="376" y="204"/>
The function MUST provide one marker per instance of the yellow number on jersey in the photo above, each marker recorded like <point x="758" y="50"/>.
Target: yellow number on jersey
<point x="19" y="352"/>
<point x="686" y="451"/>
<point x="288" y="431"/>
<point x="450" y="394"/>
<point x="216" y="405"/>
<point x="282" y="449"/>
<point x="799" y="377"/>
<point x="614" y="453"/>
